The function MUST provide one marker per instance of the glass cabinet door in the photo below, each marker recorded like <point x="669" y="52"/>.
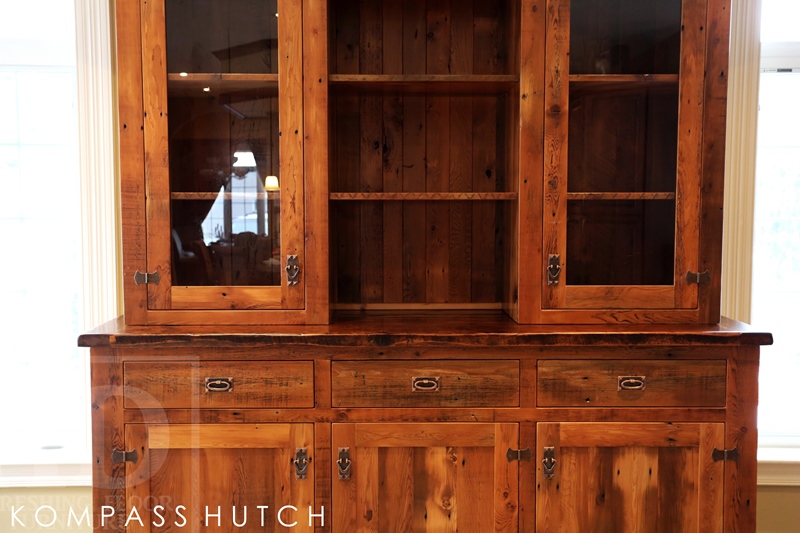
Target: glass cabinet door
<point x="223" y="142"/>
<point x="623" y="167"/>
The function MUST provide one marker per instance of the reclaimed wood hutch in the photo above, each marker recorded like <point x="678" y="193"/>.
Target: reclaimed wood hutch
<point x="423" y="266"/>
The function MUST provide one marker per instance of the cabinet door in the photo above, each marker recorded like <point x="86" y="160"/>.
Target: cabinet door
<point x="624" y="100"/>
<point x="628" y="478"/>
<point x="219" y="477"/>
<point x="223" y="146"/>
<point x="425" y="478"/>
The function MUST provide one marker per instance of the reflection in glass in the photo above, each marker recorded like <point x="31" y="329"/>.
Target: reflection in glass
<point x="621" y="242"/>
<point x="625" y="36"/>
<point x="223" y="141"/>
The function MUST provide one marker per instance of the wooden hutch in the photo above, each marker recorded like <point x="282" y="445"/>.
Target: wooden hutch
<point x="423" y="266"/>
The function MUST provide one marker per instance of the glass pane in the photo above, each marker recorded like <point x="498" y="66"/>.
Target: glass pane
<point x="623" y="139"/>
<point x="620" y="242"/>
<point x="224" y="142"/>
<point x="213" y="36"/>
<point x="625" y="36"/>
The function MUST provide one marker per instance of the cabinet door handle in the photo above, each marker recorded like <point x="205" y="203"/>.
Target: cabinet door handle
<point x="425" y="384"/>
<point x="630" y="383"/>
<point x="219" y="384"/>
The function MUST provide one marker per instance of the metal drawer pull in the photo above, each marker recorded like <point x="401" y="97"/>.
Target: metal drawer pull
<point x="630" y="383"/>
<point x="219" y="384"/>
<point x="425" y="384"/>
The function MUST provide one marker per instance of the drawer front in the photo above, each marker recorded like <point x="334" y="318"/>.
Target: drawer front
<point x="218" y="384"/>
<point x="631" y="383"/>
<point x="425" y="384"/>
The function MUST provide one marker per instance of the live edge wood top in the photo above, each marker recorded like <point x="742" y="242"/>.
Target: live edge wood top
<point x="467" y="329"/>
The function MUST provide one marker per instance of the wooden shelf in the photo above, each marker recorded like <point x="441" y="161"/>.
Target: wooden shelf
<point x="620" y="196"/>
<point x="195" y="85"/>
<point x="426" y="83"/>
<point x="639" y="79"/>
<point x="225" y="196"/>
<point x="423" y="196"/>
<point x="616" y="82"/>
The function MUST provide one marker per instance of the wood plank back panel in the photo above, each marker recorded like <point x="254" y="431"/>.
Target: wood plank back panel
<point x="413" y="252"/>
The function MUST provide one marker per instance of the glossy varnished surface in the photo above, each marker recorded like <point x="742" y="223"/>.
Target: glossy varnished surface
<point x="469" y="329"/>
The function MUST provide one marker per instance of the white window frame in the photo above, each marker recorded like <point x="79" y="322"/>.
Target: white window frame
<point x="98" y="168"/>
<point x="777" y="466"/>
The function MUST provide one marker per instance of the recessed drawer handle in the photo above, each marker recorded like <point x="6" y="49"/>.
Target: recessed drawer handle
<point x="219" y="384"/>
<point x="630" y="383"/>
<point x="425" y="384"/>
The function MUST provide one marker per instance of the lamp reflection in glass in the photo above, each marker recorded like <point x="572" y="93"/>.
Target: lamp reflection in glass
<point x="244" y="159"/>
<point x="271" y="183"/>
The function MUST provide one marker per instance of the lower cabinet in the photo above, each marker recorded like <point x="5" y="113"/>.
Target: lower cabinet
<point x="220" y="477"/>
<point x="425" y="477"/>
<point x="629" y="477"/>
<point x="375" y="434"/>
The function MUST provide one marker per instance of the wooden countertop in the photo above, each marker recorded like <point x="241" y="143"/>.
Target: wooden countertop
<point x="468" y="329"/>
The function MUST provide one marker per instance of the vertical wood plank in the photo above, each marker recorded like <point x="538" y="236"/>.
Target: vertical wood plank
<point x="637" y="487"/>
<point x="556" y="129"/>
<point x="368" y="489"/>
<point x="346" y="165"/>
<point x="475" y="472"/>
<point x="131" y="156"/>
<point x="484" y="179"/>
<point x="397" y="489"/>
<point x="393" y="119"/>
<point x="315" y="58"/>
<point x="345" y="506"/>
<point x="108" y="479"/>
<point x="441" y="505"/>
<point x="290" y="94"/>
<point x="690" y="156"/>
<point x="714" y="128"/>
<point x="437" y="156"/>
<point x="678" y="491"/>
<point x="506" y="479"/>
<point x="531" y="162"/>
<point x="137" y="477"/>
<point x="741" y="433"/>
<point x="371" y="161"/>
<point x="323" y="499"/>
<point x="549" y="517"/>
<point x="414" y="134"/>
<point x="711" y="479"/>
<point x="156" y="148"/>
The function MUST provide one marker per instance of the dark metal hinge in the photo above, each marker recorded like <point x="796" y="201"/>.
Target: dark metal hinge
<point x="698" y="277"/>
<point x="121" y="456"/>
<point x="144" y="278"/>
<point x="519" y="455"/>
<point x="725" y="455"/>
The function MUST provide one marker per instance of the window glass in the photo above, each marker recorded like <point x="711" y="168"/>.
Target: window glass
<point x="776" y="237"/>
<point x="44" y="390"/>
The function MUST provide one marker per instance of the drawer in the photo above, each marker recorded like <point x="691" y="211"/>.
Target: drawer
<point x="218" y="384"/>
<point x="425" y="384"/>
<point x="631" y="383"/>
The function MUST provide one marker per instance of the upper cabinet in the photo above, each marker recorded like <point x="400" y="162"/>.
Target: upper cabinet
<point x="220" y="213"/>
<point x="557" y="160"/>
<point x="628" y="187"/>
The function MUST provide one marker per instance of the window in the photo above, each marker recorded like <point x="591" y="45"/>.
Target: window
<point x="776" y="235"/>
<point x="53" y="224"/>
